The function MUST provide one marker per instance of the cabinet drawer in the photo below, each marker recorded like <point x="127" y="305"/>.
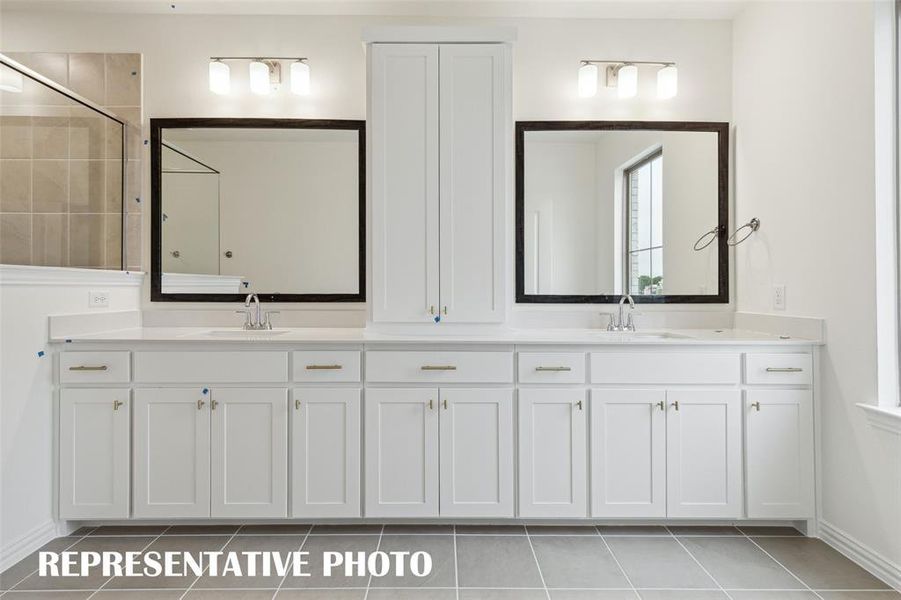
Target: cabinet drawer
<point x="210" y="367"/>
<point x="320" y="365"/>
<point x="449" y="367"/>
<point x="779" y="368"/>
<point x="94" y="367"/>
<point x="551" y="367"/>
<point x="665" y="368"/>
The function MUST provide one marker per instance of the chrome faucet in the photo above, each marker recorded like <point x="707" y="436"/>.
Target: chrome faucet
<point x="618" y="324"/>
<point x="257" y="319"/>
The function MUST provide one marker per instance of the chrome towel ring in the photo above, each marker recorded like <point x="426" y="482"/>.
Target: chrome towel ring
<point x="752" y="226"/>
<point x="707" y="239"/>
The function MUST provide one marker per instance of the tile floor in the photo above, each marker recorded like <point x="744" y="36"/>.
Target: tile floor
<point x="474" y="562"/>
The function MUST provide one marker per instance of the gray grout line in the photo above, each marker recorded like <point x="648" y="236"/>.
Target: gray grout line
<point x="150" y="543"/>
<point x="3" y="593"/>
<point x="377" y="546"/>
<point x="616" y="560"/>
<point x="456" y="568"/>
<point x="196" y="579"/>
<point x="703" y="568"/>
<point x="790" y="572"/>
<point x="282" y="582"/>
<point x="538" y="565"/>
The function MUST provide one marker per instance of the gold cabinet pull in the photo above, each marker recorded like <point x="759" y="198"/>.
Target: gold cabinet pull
<point x="430" y="404"/>
<point x="579" y="404"/>
<point x="214" y="404"/>
<point x="553" y="369"/>
<point x="445" y="404"/>
<point x="660" y="405"/>
<point x="756" y="406"/>
<point x="117" y="404"/>
<point x="444" y="310"/>
<point x="675" y="405"/>
<point x="297" y="404"/>
<point x="324" y="367"/>
<point x="432" y="309"/>
<point x="784" y="369"/>
<point x="89" y="368"/>
<point x="200" y="404"/>
<point x="437" y="368"/>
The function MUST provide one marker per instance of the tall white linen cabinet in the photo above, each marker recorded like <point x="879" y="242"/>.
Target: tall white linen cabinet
<point x="440" y="145"/>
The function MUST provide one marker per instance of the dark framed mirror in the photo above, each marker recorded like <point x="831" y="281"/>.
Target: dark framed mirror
<point x="275" y="207"/>
<point x="607" y="208"/>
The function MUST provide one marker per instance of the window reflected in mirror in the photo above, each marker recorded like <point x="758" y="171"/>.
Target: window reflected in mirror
<point x="609" y="208"/>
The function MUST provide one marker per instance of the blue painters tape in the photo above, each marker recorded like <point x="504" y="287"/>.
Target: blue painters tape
<point x="206" y="391"/>
<point x="438" y="318"/>
<point x="40" y="354"/>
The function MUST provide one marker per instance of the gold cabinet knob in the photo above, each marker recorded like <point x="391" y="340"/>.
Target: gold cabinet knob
<point x="117" y="404"/>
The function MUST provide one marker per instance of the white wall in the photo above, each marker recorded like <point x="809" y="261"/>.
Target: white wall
<point x="804" y="157"/>
<point x="177" y="48"/>
<point x="26" y="397"/>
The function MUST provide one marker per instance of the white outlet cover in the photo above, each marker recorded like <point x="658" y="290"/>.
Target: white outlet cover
<point x="98" y="299"/>
<point x="779" y="297"/>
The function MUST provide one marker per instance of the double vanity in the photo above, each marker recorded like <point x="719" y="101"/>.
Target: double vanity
<point x="163" y="423"/>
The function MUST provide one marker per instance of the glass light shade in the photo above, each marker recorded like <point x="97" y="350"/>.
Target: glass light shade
<point x="220" y="77"/>
<point x="259" y="78"/>
<point x="588" y="80"/>
<point x="627" y="81"/>
<point x="667" y="82"/>
<point x="11" y="81"/>
<point x="300" y="78"/>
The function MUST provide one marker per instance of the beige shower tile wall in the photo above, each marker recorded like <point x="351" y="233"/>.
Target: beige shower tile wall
<point x="61" y="202"/>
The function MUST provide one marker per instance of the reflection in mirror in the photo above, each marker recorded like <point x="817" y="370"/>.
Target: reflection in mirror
<point x="605" y="212"/>
<point x="273" y="211"/>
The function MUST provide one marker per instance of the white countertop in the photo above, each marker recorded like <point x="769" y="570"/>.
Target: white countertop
<point x="301" y="335"/>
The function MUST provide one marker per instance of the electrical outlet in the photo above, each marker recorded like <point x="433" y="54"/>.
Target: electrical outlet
<point x="779" y="297"/>
<point x="98" y="299"/>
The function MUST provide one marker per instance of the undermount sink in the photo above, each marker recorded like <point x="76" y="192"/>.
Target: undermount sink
<point x="249" y="333"/>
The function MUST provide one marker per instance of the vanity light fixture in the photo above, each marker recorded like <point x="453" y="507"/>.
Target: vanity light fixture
<point x="11" y="81"/>
<point x="220" y="77"/>
<point x="265" y="74"/>
<point x="623" y="75"/>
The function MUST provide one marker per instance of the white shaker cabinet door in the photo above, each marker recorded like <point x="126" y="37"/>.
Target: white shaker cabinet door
<point x="249" y="444"/>
<point x="403" y="150"/>
<point x="474" y="111"/>
<point x="93" y="453"/>
<point x="325" y="453"/>
<point x="476" y="458"/>
<point x="553" y="473"/>
<point x="779" y="454"/>
<point x="704" y="466"/>
<point x="628" y="453"/>
<point x="402" y="452"/>
<point x="172" y="452"/>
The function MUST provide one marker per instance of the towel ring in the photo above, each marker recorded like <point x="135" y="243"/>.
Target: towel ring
<point x="703" y="241"/>
<point x="752" y="226"/>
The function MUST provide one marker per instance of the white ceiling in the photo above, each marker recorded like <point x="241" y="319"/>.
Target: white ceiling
<point x="608" y="9"/>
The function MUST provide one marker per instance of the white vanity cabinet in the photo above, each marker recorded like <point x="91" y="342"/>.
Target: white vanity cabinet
<point x="93" y="452"/>
<point x="440" y="126"/>
<point x="553" y="452"/>
<point x="325" y="452"/>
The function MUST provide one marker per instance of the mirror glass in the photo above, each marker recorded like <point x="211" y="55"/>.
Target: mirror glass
<point x="605" y="212"/>
<point x="273" y="211"/>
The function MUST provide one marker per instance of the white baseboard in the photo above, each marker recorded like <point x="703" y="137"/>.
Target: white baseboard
<point x="863" y="555"/>
<point x="28" y="543"/>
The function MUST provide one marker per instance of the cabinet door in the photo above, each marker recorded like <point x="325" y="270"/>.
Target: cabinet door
<point x="172" y="453"/>
<point x="779" y="454"/>
<point x="476" y="458"/>
<point x="628" y="453"/>
<point x="325" y="453"/>
<point x="401" y="452"/>
<point x="250" y="452"/>
<point x="403" y="131"/>
<point x="474" y="142"/>
<point x="93" y="453"/>
<point x="703" y="457"/>
<point x="552" y="453"/>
